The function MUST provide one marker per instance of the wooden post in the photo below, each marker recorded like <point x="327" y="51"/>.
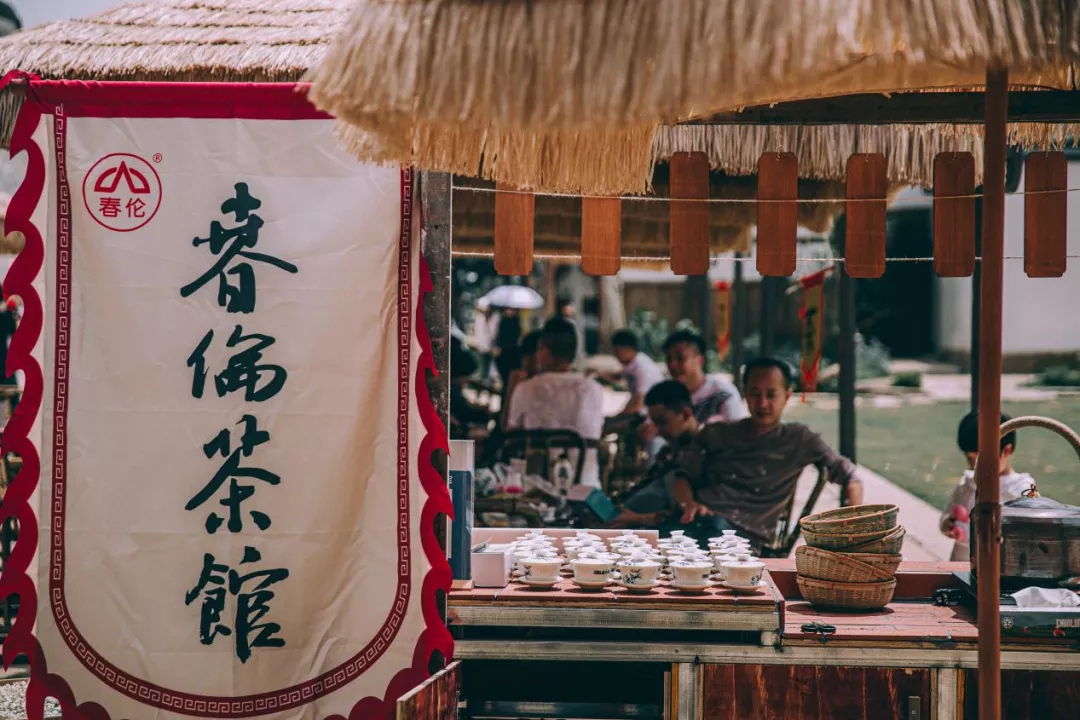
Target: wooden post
<point x="976" y="303"/>
<point x="987" y="478"/>
<point x="769" y="289"/>
<point x="846" y="348"/>
<point x="436" y="202"/>
<point x="738" y="319"/>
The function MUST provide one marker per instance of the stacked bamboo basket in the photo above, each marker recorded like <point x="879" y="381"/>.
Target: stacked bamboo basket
<point x="850" y="558"/>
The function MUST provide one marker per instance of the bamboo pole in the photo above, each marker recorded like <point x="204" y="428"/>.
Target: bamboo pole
<point x="988" y="509"/>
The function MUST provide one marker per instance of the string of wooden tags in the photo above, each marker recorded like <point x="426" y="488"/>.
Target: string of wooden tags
<point x="1046" y="200"/>
<point x="689" y="216"/>
<point x="777" y="214"/>
<point x="954" y="214"/>
<point x="864" y="243"/>
<point x="601" y="235"/>
<point x="514" y="218"/>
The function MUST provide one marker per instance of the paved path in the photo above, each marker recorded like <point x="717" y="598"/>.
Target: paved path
<point x="923" y="540"/>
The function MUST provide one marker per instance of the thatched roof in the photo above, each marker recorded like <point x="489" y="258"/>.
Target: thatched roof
<point x="177" y="40"/>
<point x="567" y="95"/>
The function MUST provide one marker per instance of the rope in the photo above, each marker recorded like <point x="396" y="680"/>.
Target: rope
<point x="653" y="198"/>
<point x="716" y="258"/>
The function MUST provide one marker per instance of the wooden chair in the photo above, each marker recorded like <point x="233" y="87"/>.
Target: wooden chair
<point x="788" y="531"/>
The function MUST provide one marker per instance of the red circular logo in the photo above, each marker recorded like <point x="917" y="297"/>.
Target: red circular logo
<point x="122" y="192"/>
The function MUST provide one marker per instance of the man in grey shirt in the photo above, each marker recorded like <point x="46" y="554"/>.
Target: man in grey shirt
<point x="741" y="474"/>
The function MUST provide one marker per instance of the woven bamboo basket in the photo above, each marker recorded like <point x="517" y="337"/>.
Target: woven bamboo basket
<point x="886" y="563"/>
<point x="846" y="596"/>
<point x="855" y="519"/>
<point x="821" y="564"/>
<point x="891" y="544"/>
<point x="843" y="541"/>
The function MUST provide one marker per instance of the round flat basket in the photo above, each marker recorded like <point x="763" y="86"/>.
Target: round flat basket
<point x="886" y="563"/>
<point x="891" y="544"/>
<point x="846" y="596"/>
<point x="842" y="541"/>
<point x="821" y="564"/>
<point x="855" y="519"/>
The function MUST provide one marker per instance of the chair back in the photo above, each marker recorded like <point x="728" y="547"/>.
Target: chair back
<point x="788" y="530"/>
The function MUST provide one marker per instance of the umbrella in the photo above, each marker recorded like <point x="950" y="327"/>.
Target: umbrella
<point x="516" y="297"/>
<point x="569" y="95"/>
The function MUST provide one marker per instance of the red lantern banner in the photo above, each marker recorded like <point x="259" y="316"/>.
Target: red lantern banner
<point x="723" y="319"/>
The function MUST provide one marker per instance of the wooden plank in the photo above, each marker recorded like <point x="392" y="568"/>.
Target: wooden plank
<point x="864" y="245"/>
<point x="689" y="215"/>
<point x="601" y="235"/>
<point x="954" y="214"/>
<point x="435" y="699"/>
<point x="777" y="222"/>
<point x="1046" y="199"/>
<point x="1027" y="694"/>
<point x="808" y="692"/>
<point x="514" y="217"/>
<point x="959" y="108"/>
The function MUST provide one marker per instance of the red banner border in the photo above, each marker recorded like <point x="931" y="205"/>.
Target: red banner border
<point x="269" y="101"/>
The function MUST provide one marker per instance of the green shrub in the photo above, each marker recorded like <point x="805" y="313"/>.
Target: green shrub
<point x="908" y="380"/>
<point x="1059" y="376"/>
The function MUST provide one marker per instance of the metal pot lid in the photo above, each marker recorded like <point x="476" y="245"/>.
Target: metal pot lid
<point x="1039" y="510"/>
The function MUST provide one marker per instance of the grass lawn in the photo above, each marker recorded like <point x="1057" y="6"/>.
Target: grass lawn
<point x="915" y="446"/>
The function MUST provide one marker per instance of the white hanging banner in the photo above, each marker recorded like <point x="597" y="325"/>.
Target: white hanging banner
<point x="236" y="488"/>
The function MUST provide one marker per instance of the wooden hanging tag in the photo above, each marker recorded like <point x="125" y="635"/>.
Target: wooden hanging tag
<point x="689" y="220"/>
<point x="954" y="214"/>
<point x="514" y="214"/>
<point x="777" y="222"/>
<point x="601" y="235"/>
<point x="864" y="245"/>
<point x="1046" y="199"/>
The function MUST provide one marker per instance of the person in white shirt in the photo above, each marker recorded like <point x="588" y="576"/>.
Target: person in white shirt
<point x="639" y="370"/>
<point x="559" y="398"/>
<point x="715" y="398"/>
<point x="955" y="517"/>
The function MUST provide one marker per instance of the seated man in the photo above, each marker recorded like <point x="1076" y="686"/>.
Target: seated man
<point x="527" y="370"/>
<point x="639" y="370"/>
<point x="715" y="398"/>
<point x="559" y="398"/>
<point x="740" y="475"/>
<point x="670" y="410"/>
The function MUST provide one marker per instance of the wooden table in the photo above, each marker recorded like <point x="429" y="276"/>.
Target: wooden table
<point x="913" y="660"/>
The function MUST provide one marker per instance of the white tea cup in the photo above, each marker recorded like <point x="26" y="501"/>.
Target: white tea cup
<point x="691" y="572"/>
<point x="743" y="571"/>
<point x="638" y="571"/>
<point x="540" y="569"/>
<point x="593" y="569"/>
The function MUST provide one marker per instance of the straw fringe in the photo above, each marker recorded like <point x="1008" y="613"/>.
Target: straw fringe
<point x="176" y="41"/>
<point x="608" y="162"/>
<point x="473" y="71"/>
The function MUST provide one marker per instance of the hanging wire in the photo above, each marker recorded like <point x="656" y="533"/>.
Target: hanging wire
<point x="653" y="198"/>
<point x="716" y="259"/>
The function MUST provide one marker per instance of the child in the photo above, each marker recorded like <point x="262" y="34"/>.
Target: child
<point x="954" y="520"/>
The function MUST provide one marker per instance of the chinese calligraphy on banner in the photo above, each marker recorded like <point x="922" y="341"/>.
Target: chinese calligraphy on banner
<point x="237" y="495"/>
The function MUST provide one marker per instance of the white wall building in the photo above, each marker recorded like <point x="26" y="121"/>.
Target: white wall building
<point x="1042" y="316"/>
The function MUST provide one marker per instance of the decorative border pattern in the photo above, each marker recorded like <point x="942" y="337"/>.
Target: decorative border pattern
<point x="435" y="638"/>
